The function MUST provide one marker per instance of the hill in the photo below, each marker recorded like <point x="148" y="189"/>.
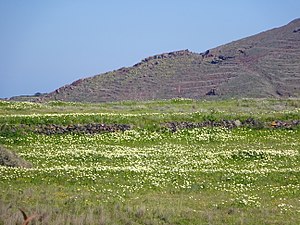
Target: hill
<point x="262" y="65"/>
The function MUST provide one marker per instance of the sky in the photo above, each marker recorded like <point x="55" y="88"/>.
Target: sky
<point x="47" y="44"/>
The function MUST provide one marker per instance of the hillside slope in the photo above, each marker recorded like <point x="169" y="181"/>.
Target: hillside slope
<point x="263" y="65"/>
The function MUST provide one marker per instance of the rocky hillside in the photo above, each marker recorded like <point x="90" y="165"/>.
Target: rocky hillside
<point x="263" y="65"/>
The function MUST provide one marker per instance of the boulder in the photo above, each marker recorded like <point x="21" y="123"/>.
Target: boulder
<point x="11" y="159"/>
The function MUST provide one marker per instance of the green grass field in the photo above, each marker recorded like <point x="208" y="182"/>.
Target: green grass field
<point x="150" y="175"/>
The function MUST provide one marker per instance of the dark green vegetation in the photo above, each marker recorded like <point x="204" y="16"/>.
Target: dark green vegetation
<point x="263" y="65"/>
<point x="150" y="175"/>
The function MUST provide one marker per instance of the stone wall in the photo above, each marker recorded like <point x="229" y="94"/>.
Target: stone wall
<point x="250" y="122"/>
<point x="92" y="128"/>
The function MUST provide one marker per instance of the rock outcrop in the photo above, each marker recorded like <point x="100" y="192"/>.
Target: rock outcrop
<point x="11" y="159"/>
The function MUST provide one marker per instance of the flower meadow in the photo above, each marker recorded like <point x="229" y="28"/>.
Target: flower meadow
<point x="210" y="175"/>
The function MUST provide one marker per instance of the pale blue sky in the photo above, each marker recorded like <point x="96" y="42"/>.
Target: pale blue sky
<point x="47" y="44"/>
